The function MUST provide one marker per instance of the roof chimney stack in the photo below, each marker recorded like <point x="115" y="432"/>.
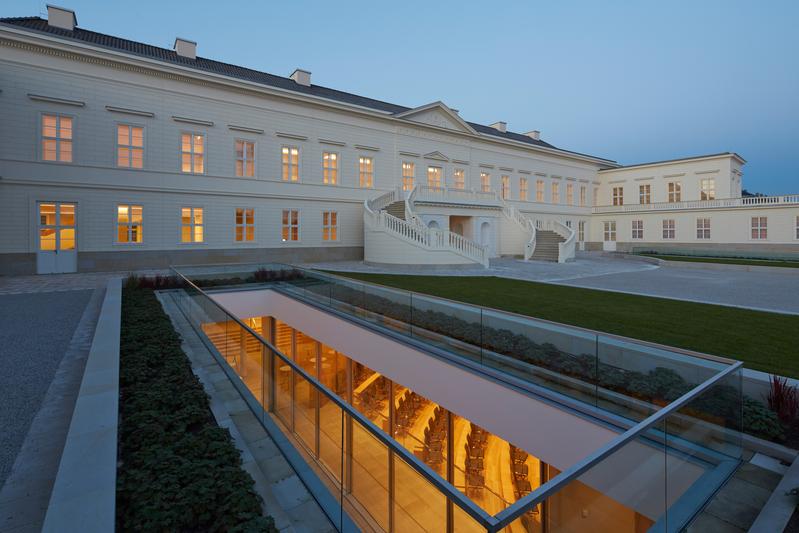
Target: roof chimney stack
<point x="61" y="17"/>
<point x="535" y="134"/>
<point x="185" y="48"/>
<point x="500" y="126"/>
<point x="301" y="77"/>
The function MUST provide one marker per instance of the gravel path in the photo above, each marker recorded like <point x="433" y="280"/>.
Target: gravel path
<point x="35" y="332"/>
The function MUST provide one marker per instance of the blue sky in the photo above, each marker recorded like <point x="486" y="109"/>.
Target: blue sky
<point x="630" y="81"/>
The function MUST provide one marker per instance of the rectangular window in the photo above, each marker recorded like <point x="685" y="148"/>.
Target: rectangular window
<point x="505" y="187"/>
<point x="582" y="195"/>
<point x="129" y="223"/>
<point x="596" y="196"/>
<point x="645" y="194"/>
<point x="797" y="227"/>
<point x="291" y="163"/>
<point x="329" y="226"/>
<point x="291" y="225"/>
<point x="366" y="172"/>
<point x="245" y="158"/>
<point x="539" y="191"/>
<point x="555" y="193"/>
<point x="610" y="231"/>
<point x="434" y="177"/>
<point x="638" y="229"/>
<point x="485" y="182"/>
<point x="669" y="231"/>
<point x="702" y="228"/>
<point x="675" y="191"/>
<point x="459" y="179"/>
<point x="707" y="189"/>
<point x="130" y="146"/>
<point x="191" y="224"/>
<point x="57" y="138"/>
<point x="329" y="168"/>
<point x="523" y="192"/>
<point x="245" y="224"/>
<point x="618" y="195"/>
<point x="408" y="175"/>
<point x="570" y="194"/>
<point x="759" y="228"/>
<point x="192" y="153"/>
<point x="581" y="231"/>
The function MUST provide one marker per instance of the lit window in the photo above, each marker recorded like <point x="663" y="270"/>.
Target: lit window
<point x="555" y="193"/>
<point x="129" y="223"/>
<point x="366" y="172"/>
<point x="669" y="231"/>
<point x="329" y="226"/>
<point x="702" y="228"/>
<point x="329" y="168"/>
<point x="191" y="224"/>
<point x="291" y="225"/>
<point x="291" y="163"/>
<point x="581" y="231"/>
<point x="570" y="194"/>
<point x="245" y="224"/>
<point x="408" y="175"/>
<point x="797" y="227"/>
<point x="434" y="177"/>
<point x="675" y="191"/>
<point x="759" y="228"/>
<point x="618" y="195"/>
<point x="192" y="152"/>
<point x="459" y="179"/>
<point x="539" y="191"/>
<point x="57" y="138"/>
<point x="523" y="192"/>
<point x="638" y="229"/>
<point x="582" y="195"/>
<point x="245" y="158"/>
<point x="505" y="187"/>
<point x="130" y="146"/>
<point x="707" y="189"/>
<point x="645" y="194"/>
<point x="485" y="182"/>
<point x="610" y="231"/>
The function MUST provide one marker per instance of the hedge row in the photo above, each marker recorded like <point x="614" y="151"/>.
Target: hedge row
<point x="178" y="470"/>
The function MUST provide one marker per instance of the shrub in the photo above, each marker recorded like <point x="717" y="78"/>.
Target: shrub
<point x="782" y="399"/>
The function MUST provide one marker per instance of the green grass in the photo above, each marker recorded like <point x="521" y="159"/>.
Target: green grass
<point x="764" y="341"/>
<point x="726" y="260"/>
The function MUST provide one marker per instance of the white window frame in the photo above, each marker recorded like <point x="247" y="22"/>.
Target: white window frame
<point x="129" y="225"/>
<point x="645" y="194"/>
<point x="59" y="138"/>
<point x="330" y="224"/>
<point x="674" y="189"/>
<point x="130" y="146"/>
<point x="289" y="169"/>
<point x="637" y="230"/>
<point x="669" y="229"/>
<point x="524" y="189"/>
<point x="569" y="194"/>
<point x="244" y="225"/>
<point x="193" y="152"/>
<point x="583" y="195"/>
<point x="555" y="192"/>
<point x="707" y="192"/>
<point x="581" y="231"/>
<point x="759" y="229"/>
<point x="244" y="159"/>
<point x="539" y="191"/>
<point x="485" y="182"/>
<point x="408" y="169"/>
<point x="618" y="195"/>
<point x="192" y="224"/>
<point x="504" y="186"/>
<point x="459" y="179"/>
<point x="703" y="228"/>
<point x="596" y="196"/>
<point x="609" y="231"/>
<point x="284" y="226"/>
<point x="435" y="177"/>
<point x="330" y="165"/>
<point x="366" y="171"/>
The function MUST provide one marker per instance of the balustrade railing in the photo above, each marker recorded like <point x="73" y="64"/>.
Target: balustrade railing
<point x="720" y="203"/>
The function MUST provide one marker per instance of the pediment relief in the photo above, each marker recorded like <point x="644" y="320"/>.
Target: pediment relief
<point x="438" y="156"/>
<point x="436" y="114"/>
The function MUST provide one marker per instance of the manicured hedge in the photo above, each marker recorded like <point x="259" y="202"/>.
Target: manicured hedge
<point x="178" y="470"/>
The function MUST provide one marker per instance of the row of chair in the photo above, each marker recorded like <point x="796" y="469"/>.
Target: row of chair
<point x="407" y="411"/>
<point x="521" y="480"/>
<point x="476" y="442"/>
<point x="435" y="438"/>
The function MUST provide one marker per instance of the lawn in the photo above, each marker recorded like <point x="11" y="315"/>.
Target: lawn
<point x="726" y="260"/>
<point x="764" y="341"/>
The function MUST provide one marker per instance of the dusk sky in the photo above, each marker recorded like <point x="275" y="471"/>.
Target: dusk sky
<point x="629" y="81"/>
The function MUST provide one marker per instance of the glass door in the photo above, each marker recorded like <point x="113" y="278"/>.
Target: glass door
<point x="57" y="238"/>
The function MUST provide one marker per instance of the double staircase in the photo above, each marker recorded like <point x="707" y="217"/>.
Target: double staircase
<point x="547" y="246"/>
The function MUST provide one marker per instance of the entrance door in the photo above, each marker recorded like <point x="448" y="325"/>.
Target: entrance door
<point x="57" y="238"/>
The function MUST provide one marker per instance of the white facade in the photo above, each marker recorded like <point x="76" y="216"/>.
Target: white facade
<point x="340" y="154"/>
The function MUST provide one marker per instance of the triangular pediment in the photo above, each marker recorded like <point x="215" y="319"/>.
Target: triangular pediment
<point x="437" y="114"/>
<point x="438" y="156"/>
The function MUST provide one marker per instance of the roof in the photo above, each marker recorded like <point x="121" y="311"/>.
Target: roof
<point x="678" y="160"/>
<point x="39" y="24"/>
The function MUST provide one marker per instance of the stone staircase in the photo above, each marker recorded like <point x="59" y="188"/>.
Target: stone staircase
<point x="546" y="245"/>
<point x="396" y="209"/>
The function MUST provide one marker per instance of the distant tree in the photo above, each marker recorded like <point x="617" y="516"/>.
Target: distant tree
<point x="747" y="193"/>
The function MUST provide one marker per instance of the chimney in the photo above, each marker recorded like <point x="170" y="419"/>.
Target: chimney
<point x="535" y="134"/>
<point x="185" y="48"/>
<point x="500" y="126"/>
<point x="61" y="17"/>
<point x="301" y="77"/>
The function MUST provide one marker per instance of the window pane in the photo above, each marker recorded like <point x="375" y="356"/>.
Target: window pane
<point x="47" y="239"/>
<point x="294" y="217"/>
<point x="198" y="234"/>
<point x="239" y="168"/>
<point x="122" y="135"/>
<point x="239" y="233"/>
<point x="239" y="216"/>
<point x="122" y="213"/>
<point x="185" y="215"/>
<point x="186" y="163"/>
<point x="198" y="163"/>
<point x="295" y="234"/>
<point x="250" y="233"/>
<point x="48" y="126"/>
<point x="333" y="235"/>
<point x="285" y="233"/>
<point x="137" y="160"/>
<point x="67" y="215"/>
<point x="122" y="233"/>
<point x="123" y="157"/>
<point x="198" y="144"/>
<point x="198" y="215"/>
<point x="48" y="150"/>
<point x="66" y="151"/>
<point x="185" y="234"/>
<point x="250" y="172"/>
<point x="137" y="135"/>
<point x="250" y="216"/>
<point x="136" y="233"/>
<point x="67" y="237"/>
<point x="65" y="128"/>
<point x="185" y="142"/>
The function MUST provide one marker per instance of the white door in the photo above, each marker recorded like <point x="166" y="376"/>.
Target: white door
<point x="57" y="246"/>
<point x="609" y="236"/>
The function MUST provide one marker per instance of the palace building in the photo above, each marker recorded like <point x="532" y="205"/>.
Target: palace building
<point x="117" y="154"/>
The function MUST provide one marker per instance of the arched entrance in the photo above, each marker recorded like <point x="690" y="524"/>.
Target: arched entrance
<point x="433" y="225"/>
